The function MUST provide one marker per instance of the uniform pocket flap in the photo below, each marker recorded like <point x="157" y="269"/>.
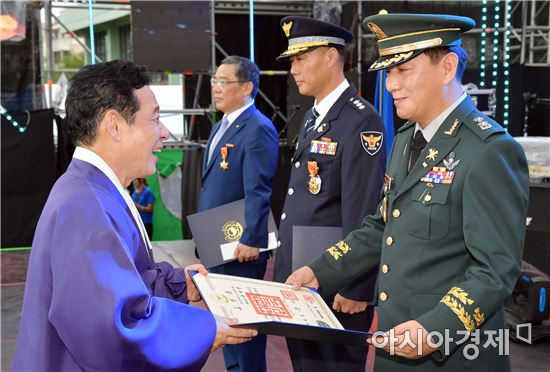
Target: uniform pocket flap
<point x="434" y="194"/>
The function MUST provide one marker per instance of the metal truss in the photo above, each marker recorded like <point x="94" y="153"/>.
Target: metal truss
<point x="529" y="43"/>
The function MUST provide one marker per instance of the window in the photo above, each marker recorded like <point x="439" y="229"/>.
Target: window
<point x="125" y="34"/>
<point x="101" y="45"/>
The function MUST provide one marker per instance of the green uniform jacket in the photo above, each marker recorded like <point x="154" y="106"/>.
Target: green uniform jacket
<point x="449" y="253"/>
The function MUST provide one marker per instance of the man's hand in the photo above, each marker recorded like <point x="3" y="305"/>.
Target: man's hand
<point x="409" y="340"/>
<point x="192" y="292"/>
<point x="303" y="277"/>
<point x="347" y="306"/>
<point x="245" y="253"/>
<point x="226" y="335"/>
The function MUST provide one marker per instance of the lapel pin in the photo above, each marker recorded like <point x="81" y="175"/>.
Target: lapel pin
<point x="432" y="154"/>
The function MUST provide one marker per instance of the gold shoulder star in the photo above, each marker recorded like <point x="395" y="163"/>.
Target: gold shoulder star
<point x="432" y="153"/>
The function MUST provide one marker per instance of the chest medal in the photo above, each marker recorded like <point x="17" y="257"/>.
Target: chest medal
<point x="314" y="183"/>
<point x="224" y="165"/>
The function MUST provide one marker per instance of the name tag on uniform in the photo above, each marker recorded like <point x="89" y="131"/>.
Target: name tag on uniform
<point x="439" y="175"/>
<point x="323" y="147"/>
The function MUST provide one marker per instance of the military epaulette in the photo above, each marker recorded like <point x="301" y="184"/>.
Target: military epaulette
<point x="358" y="103"/>
<point x="482" y="125"/>
<point x="406" y="126"/>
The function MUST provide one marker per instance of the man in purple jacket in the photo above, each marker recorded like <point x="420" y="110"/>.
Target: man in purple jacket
<point x="95" y="299"/>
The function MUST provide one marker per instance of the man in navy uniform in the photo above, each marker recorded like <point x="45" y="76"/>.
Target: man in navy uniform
<point x="240" y="162"/>
<point x="449" y="232"/>
<point x="337" y="173"/>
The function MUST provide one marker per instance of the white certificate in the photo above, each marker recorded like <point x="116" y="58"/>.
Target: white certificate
<point x="254" y="301"/>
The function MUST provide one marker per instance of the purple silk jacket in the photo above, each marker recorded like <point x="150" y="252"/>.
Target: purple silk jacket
<point x="94" y="299"/>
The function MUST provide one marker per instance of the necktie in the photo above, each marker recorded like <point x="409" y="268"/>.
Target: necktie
<point x="310" y="121"/>
<point x="418" y="144"/>
<point x="219" y="134"/>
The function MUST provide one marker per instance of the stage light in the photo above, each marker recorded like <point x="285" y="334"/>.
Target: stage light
<point x="14" y="122"/>
<point x="483" y="42"/>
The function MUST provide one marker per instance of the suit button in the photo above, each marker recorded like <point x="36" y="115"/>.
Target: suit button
<point x="383" y="296"/>
<point x="290" y="191"/>
<point x="385" y="269"/>
<point x="278" y="243"/>
<point x="396" y="213"/>
<point x="389" y="240"/>
<point x="297" y="164"/>
<point x="283" y="216"/>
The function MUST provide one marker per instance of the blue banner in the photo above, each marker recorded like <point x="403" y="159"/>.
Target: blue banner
<point x="383" y="101"/>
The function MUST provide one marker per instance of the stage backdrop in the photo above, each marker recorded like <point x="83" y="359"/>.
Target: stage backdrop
<point x="28" y="174"/>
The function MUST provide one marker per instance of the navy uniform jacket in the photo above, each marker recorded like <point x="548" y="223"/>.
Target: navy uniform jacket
<point x="252" y="160"/>
<point x="450" y="252"/>
<point x="351" y="181"/>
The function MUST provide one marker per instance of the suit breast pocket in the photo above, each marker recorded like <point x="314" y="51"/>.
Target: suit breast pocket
<point x="431" y="211"/>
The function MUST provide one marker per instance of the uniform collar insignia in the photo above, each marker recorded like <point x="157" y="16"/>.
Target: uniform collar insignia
<point x="452" y="128"/>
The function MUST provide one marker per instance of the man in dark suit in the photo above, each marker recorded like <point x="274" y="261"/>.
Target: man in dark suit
<point x="449" y="233"/>
<point x="240" y="162"/>
<point x="337" y="173"/>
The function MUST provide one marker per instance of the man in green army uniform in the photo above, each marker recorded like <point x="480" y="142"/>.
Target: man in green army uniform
<point x="449" y="232"/>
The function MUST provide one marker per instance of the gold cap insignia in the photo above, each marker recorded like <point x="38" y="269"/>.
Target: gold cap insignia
<point x="232" y="231"/>
<point x="286" y="28"/>
<point x="380" y="34"/>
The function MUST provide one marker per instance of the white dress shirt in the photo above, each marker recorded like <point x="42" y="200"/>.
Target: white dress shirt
<point x="324" y="106"/>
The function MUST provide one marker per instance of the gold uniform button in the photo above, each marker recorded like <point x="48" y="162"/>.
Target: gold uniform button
<point x="396" y="213"/>
<point x="383" y="296"/>
<point x="428" y="198"/>
<point x="385" y="269"/>
<point x="389" y="240"/>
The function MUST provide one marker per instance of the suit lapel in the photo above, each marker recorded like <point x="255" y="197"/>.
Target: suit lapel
<point x="325" y="126"/>
<point x="438" y="148"/>
<point x="235" y="127"/>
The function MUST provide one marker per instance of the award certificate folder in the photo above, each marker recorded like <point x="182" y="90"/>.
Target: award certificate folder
<point x="308" y="242"/>
<point x="217" y="231"/>
<point x="274" y="308"/>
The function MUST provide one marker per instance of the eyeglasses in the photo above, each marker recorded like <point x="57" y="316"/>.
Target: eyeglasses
<point x="223" y="83"/>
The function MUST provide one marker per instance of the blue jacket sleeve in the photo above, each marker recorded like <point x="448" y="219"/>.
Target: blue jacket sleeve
<point x="259" y="168"/>
<point x="362" y="179"/>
